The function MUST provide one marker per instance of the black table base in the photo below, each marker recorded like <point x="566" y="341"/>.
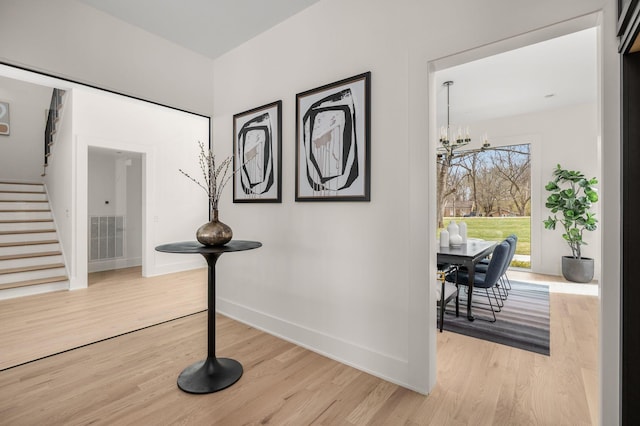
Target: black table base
<point x="210" y="375"/>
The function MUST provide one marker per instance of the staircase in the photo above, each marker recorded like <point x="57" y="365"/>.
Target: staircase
<point x="31" y="259"/>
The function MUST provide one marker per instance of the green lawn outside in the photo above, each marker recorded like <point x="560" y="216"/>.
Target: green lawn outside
<point x="498" y="228"/>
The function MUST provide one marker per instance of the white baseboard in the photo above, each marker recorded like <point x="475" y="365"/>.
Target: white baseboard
<point x="384" y="366"/>
<point x="111" y="264"/>
<point x="170" y="268"/>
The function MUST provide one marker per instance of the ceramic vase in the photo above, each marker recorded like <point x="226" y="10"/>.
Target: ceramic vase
<point x="455" y="239"/>
<point x="444" y="238"/>
<point x="463" y="232"/>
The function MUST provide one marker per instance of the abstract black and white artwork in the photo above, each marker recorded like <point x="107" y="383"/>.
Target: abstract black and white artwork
<point x="333" y="141"/>
<point x="257" y="146"/>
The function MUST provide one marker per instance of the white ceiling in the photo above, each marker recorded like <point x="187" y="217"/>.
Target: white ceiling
<point x="209" y="27"/>
<point x="520" y="81"/>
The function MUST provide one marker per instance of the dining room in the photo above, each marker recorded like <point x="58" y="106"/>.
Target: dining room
<point x="511" y="126"/>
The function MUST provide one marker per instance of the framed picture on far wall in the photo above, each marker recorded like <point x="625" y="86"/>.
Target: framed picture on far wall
<point x="333" y="155"/>
<point x="5" y="126"/>
<point x="257" y="155"/>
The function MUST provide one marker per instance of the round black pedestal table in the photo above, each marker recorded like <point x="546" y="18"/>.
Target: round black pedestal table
<point x="212" y="374"/>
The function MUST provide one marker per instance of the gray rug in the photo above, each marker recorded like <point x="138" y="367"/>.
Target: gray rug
<point x="523" y="322"/>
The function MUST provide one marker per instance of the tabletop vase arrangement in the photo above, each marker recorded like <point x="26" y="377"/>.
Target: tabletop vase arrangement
<point x="454" y="235"/>
<point x="215" y="178"/>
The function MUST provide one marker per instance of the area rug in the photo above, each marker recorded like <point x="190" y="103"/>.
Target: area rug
<point x="523" y="322"/>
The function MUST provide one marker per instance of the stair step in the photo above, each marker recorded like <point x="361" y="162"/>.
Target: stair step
<point x="25" y="198"/>
<point x="31" y="268"/>
<point x="23" y="262"/>
<point x="27" y="231"/>
<point x="23" y="201"/>
<point x="28" y="243"/>
<point x="22" y="226"/>
<point x="18" y="210"/>
<point x="21" y="249"/>
<point x="26" y="215"/>
<point x="26" y="220"/>
<point x="4" y="182"/>
<point x="20" y="187"/>
<point x="28" y="272"/>
<point x="28" y="255"/>
<point x="33" y="282"/>
<point x="36" y="235"/>
<point x="2" y="191"/>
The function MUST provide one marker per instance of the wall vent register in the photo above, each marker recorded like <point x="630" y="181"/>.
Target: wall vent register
<point x="106" y="237"/>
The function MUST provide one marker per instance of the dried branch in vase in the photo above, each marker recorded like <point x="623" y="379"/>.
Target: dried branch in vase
<point x="215" y="177"/>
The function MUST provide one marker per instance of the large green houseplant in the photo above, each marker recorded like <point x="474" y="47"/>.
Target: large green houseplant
<point x="571" y="199"/>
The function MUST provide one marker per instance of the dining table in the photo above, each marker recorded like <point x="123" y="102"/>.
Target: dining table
<point x="466" y="255"/>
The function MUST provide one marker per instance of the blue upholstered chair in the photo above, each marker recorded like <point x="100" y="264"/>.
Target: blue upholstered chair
<point x="488" y="280"/>
<point x="504" y="279"/>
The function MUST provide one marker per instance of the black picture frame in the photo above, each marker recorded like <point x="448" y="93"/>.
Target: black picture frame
<point x="257" y="154"/>
<point x="335" y="164"/>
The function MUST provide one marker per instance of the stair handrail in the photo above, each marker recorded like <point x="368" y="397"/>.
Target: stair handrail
<point x="53" y="115"/>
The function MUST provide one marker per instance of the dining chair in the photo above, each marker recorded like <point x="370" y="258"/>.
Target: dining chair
<point x="446" y="291"/>
<point x="504" y="279"/>
<point x="489" y="279"/>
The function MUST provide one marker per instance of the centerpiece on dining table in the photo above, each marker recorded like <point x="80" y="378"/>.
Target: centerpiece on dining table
<point x="454" y="235"/>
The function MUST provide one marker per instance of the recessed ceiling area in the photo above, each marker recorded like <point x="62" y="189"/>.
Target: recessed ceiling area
<point x="209" y="27"/>
<point x="552" y="74"/>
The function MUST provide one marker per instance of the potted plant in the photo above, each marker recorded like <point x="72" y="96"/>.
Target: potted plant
<point x="572" y="196"/>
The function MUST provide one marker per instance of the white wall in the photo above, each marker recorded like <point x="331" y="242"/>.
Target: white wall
<point x="351" y="279"/>
<point x="22" y="152"/>
<point x="332" y="275"/>
<point x="174" y="207"/>
<point x="70" y="39"/>
<point x="102" y="183"/>
<point x="134" y="210"/>
<point x="568" y="136"/>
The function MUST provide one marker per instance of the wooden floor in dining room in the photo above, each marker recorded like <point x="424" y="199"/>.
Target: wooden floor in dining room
<point x="131" y="378"/>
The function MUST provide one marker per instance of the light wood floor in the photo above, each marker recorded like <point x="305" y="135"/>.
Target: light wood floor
<point x="116" y="302"/>
<point x="131" y="379"/>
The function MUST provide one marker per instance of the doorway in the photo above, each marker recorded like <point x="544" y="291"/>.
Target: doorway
<point x="515" y="98"/>
<point x="114" y="209"/>
<point x="555" y="134"/>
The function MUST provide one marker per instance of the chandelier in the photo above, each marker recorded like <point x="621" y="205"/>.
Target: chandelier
<point x="450" y="139"/>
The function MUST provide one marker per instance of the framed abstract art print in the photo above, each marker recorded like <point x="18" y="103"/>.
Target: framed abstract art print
<point x="257" y="155"/>
<point x="333" y="155"/>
